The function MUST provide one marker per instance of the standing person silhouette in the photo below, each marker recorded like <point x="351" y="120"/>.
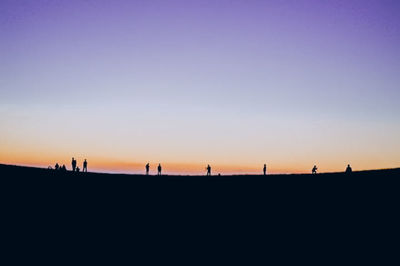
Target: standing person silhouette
<point x="208" y="170"/>
<point x="73" y="164"/>
<point x="314" y="170"/>
<point x="84" y="166"/>
<point x="159" y="169"/>
<point x="265" y="169"/>
<point x="348" y="169"/>
<point x="147" y="168"/>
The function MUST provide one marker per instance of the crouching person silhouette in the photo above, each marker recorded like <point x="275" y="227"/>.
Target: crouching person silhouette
<point x="314" y="170"/>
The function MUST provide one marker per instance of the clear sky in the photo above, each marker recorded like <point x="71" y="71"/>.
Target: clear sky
<point x="234" y="84"/>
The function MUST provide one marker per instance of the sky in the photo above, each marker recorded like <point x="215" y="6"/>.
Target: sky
<point x="234" y="84"/>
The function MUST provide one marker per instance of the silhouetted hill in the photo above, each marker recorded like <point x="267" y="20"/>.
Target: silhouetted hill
<point x="324" y="214"/>
<point x="23" y="171"/>
<point x="296" y="186"/>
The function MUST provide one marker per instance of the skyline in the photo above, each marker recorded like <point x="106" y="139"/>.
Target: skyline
<point x="233" y="84"/>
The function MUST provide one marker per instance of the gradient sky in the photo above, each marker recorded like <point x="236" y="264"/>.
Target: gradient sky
<point x="235" y="84"/>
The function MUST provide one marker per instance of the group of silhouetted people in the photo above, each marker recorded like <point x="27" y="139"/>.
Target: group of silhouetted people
<point x="208" y="169"/>
<point x="77" y="169"/>
<point x="159" y="168"/>
<point x="349" y="170"/>
<point x="74" y="166"/>
<point x="60" y="168"/>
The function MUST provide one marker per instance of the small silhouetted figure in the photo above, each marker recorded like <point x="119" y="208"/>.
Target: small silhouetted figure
<point x="348" y="169"/>
<point x="56" y="166"/>
<point x="208" y="170"/>
<point x="77" y="169"/>
<point x="159" y="169"/>
<point x="73" y="163"/>
<point x="147" y="168"/>
<point x="265" y="169"/>
<point x="63" y="168"/>
<point x="314" y="170"/>
<point x="84" y="166"/>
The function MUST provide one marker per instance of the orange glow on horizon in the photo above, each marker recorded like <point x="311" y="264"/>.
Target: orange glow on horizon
<point x="118" y="166"/>
<point x="189" y="165"/>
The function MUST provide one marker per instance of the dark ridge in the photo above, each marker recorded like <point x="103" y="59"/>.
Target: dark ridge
<point x="271" y="190"/>
<point x="25" y="171"/>
<point x="308" y="215"/>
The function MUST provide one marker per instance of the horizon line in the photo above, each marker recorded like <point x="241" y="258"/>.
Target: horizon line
<point x="198" y="175"/>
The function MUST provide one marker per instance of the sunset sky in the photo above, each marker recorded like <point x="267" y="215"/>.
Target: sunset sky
<point x="234" y="84"/>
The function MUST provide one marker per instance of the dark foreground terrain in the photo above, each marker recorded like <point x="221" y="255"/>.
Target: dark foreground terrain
<point x="309" y="215"/>
<point x="26" y="181"/>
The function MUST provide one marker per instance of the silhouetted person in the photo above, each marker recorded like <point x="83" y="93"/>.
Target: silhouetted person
<point x="147" y="168"/>
<point x="159" y="169"/>
<point x="348" y="169"/>
<point x="63" y="168"/>
<point x="77" y="169"/>
<point x="208" y="170"/>
<point x="84" y="166"/>
<point x="56" y="166"/>
<point x="265" y="169"/>
<point x="314" y="170"/>
<point x="73" y="163"/>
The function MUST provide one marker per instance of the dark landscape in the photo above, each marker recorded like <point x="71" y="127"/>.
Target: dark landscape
<point x="234" y="211"/>
<point x="40" y="181"/>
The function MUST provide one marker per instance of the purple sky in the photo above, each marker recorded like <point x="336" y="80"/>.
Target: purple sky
<point x="254" y="70"/>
